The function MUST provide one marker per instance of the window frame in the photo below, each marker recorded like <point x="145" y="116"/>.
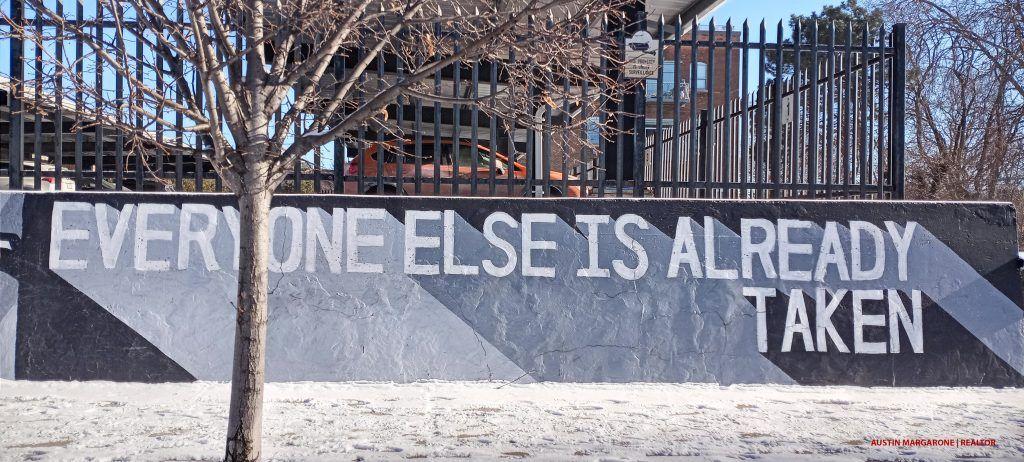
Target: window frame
<point x="700" y="83"/>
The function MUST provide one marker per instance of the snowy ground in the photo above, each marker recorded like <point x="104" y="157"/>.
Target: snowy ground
<point x="442" y="421"/>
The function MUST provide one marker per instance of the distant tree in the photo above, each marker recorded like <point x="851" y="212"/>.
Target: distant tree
<point x="846" y="17"/>
<point x="965" y="92"/>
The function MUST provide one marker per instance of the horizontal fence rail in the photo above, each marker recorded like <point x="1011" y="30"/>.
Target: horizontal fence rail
<point x="815" y="111"/>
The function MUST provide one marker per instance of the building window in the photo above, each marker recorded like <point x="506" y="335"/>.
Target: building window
<point x="668" y="81"/>
<point x="702" y="76"/>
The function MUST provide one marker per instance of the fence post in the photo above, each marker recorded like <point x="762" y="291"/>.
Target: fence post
<point x="620" y="151"/>
<point x="639" y="132"/>
<point x="16" y="151"/>
<point x="897" y="142"/>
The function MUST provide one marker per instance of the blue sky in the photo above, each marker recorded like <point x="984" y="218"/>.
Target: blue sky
<point x="771" y="11"/>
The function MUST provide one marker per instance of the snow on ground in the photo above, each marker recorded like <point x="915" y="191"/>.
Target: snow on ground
<point x="446" y="421"/>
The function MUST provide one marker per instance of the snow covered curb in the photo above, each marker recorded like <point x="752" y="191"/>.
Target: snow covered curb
<point x="460" y="420"/>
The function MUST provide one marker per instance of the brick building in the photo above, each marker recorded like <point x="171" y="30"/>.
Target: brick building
<point x="711" y="83"/>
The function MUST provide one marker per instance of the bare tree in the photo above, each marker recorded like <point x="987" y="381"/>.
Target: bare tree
<point x="256" y="80"/>
<point x="965" y="84"/>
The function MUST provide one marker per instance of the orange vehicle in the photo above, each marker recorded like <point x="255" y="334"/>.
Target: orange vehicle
<point x="446" y="171"/>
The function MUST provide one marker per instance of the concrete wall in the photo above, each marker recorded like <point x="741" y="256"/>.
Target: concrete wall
<point x="141" y="288"/>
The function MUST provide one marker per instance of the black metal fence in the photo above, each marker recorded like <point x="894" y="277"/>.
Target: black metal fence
<point x="812" y="113"/>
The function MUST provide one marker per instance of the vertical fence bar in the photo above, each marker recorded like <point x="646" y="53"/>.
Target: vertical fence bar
<point x="776" y="140"/>
<point x="585" y="110"/>
<point x="829" y="110"/>
<point x="98" y="110"/>
<point x="813" y="115"/>
<point x="381" y="148"/>
<point x="864" y="86"/>
<point x="179" y="74"/>
<point x="179" y="163"/>
<point x="677" y="123"/>
<point x="660" y="108"/>
<point x="159" y="68"/>
<point x="297" y="133"/>
<point x="338" y="148"/>
<point x="545" y="148"/>
<point x="297" y="163"/>
<point x="880" y="116"/>
<point x="361" y="148"/>
<point x="566" y="153"/>
<point x="795" y="113"/>
<point x="474" y="136"/>
<point x="58" y="95"/>
<point x="619" y="123"/>
<point x="37" y="106"/>
<point x="726" y="149"/>
<point x="317" y="162"/>
<point x="761" y="140"/>
<point x="706" y="119"/>
<point x="510" y="140"/>
<point x="418" y="142"/>
<point x="338" y="164"/>
<point x="602" y="118"/>
<point x="869" y="120"/>
<point x="531" y="148"/>
<point x="140" y="101"/>
<point x="897" y="145"/>
<point x="639" y="141"/>
<point x="492" y="120"/>
<point x="79" y="98"/>
<point x="400" y="141"/>
<point x="119" y="113"/>
<point x="546" y="142"/>
<point x="437" y="116"/>
<point x="16" y="155"/>
<point x="197" y="174"/>
<point x="848" y="127"/>
<point x="118" y="135"/>
<point x="693" y="160"/>
<point x="744" y="121"/>
<point x="456" y="115"/>
<point x="709" y="119"/>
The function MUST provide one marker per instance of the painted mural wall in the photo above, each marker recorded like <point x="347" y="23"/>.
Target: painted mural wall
<point x="141" y="288"/>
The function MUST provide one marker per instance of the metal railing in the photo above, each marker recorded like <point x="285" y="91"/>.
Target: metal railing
<point x="831" y="129"/>
<point x="727" y="115"/>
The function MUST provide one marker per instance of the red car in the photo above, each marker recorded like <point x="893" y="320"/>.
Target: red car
<point x="428" y="171"/>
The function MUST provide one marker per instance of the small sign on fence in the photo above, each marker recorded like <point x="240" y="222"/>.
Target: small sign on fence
<point x="641" y="56"/>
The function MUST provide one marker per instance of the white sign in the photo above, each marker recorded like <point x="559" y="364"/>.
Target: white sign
<point x="641" y="56"/>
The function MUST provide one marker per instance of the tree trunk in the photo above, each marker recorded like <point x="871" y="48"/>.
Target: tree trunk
<point x="245" y="416"/>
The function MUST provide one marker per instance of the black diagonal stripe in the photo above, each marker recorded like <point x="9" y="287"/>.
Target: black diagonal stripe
<point x="952" y="355"/>
<point x="62" y="334"/>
